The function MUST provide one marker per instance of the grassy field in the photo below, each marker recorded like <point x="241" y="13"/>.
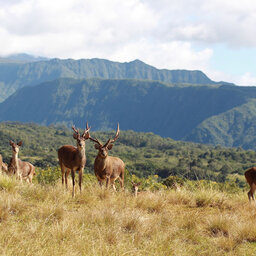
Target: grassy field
<point x="46" y="220"/>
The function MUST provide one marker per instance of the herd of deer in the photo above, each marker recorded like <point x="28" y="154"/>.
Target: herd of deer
<point x="73" y="159"/>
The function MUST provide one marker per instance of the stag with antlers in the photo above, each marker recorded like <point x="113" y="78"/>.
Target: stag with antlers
<point x="73" y="158"/>
<point x="22" y="170"/>
<point x="108" y="168"/>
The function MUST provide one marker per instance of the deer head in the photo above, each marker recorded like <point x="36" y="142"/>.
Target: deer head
<point x="81" y="139"/>
<point x="15" y="147"/>
<point x="103" y="149"/>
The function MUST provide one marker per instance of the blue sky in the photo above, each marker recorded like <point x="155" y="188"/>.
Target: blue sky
<point x="215" y="36"/>
<point x="234" y="61"/>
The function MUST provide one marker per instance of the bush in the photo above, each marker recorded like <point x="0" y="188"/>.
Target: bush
<point x="173" y="182"/>
<point x="48" y="176"/>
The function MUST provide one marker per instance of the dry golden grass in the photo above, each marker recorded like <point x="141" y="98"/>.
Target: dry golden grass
<point x="46" y="220"/>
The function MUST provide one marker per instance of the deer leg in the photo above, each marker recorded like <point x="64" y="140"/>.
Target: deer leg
<point x="121" y="181"/>
<point x="113" y="185"/>
<point x="73" y="182"/>
<point x="108" y="181"/>
<point x="19" y="177"/>
<point x="80" y="179"/>
<point x="253" y="188"/>
<point x="251" y="192"/>
<point x="62" y="172"/>
<point x="66" y="177"/>
<point x="249" y="195"/>
<point x="30" y="177"/>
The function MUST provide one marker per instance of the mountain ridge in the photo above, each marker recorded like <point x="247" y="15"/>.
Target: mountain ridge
<point x="147" y="106"/>
<point x="15" y="75"/>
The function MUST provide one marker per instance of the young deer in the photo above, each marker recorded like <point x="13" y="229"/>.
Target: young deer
<point x="135" y="187"/>
<point x="22" y="170"/>
<point x="73" y="158"/>
<point x="250" y="176"/>
<point x="106" y="167"/>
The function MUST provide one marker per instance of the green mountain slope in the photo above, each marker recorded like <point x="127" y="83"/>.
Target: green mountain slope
<point x="236" y="127"/>
<point x="15" y="74"/>
<point x="138" y="105"/>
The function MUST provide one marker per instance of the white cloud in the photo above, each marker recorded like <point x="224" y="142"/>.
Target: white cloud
<point x="247" y="79"/>
<point x="161" y="33"/>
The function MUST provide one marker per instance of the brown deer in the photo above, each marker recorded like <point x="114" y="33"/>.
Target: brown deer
<point x="73" y="158"/>
<point x="135" y="187"/>
<point x="1" y="163"/>
<point x="3" y="166"/>
<point x="250" y="176"/>
<point x="22" y="170"/>
<point x="106" y="167"/>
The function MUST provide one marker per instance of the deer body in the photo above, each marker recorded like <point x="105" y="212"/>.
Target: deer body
<point x="250" y="176"/>
<point x="22" y="170"/>
<point x="108" y="168"/>
<point x="4" y="167"/>
<point x="73" y="158"/>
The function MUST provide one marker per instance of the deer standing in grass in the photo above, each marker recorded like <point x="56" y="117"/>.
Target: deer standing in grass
<point x="135" y="187"/>
<point x="108" y="168"/>
<point x="73" y="158"/>
<point x="250" y="176"/>
<point x="22" y="170"/>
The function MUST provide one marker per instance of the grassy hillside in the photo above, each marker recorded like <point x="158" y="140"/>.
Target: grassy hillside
<point x="45" y="220"/>
<point x="14" y="75"/>
<point x="145" y="154"/>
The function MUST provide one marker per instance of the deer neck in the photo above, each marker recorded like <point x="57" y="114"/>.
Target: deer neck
<point x="136" y="191"/>
<point x="15" y="158"/>
<point x="102" y="161"/>
<point x="81" y="152"/>
<point x="13" y="166"/>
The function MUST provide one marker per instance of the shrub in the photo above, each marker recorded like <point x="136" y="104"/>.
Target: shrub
<point x="173" y="182"/>
<point x="48" y="176"/>
<point x="7" y="183"/>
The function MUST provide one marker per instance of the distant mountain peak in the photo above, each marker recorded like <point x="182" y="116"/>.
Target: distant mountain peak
<point x="22" y="57"/>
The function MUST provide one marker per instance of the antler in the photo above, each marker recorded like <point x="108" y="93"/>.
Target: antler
<point x="95" y="140"/>
<point x="89" y="136"/>
<point x="76" y="134"/>
<point x="86" y="131"/>
<point x="115" y="138"/>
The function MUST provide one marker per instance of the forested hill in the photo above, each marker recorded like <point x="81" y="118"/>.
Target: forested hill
<point x="208" y="114"/>
<point x="143" y="153"/>
<point x="15" y="74"/>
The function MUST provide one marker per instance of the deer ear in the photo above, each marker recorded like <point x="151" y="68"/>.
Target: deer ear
<point x="97" y="146"/>
<point x="11" y="142"/>
<point x="75" y="136"/>
<point x="19" y="143"/>
<point x="110" y="146"/>
<point x="86" y="136"/>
